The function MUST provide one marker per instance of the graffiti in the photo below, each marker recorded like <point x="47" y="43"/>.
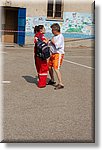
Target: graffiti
<point x="74" y="23"/>
<point x="78" y="23"/>
<point x="29" y="28"/>
<point x="31" y="22"/>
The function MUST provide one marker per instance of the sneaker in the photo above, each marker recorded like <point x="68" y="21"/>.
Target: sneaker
<point x="58" y="86"/>
<point x="51" y="82"/>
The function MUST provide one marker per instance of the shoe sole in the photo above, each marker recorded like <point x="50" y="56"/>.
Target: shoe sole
<point x="58" y="88"/>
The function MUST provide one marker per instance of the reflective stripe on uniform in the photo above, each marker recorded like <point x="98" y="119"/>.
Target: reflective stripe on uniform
<point x="42" y="74"/>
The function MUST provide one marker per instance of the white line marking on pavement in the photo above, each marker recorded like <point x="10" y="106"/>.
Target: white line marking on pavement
<point x="81" y="56"/>
<point x="8" y="82"/>
<point x="78" y="64"/>
<point x="3" y="52"/>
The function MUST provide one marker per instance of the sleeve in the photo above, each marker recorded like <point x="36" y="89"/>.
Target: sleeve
<point x="42" y="37"/>
<point x="35" y="39"/>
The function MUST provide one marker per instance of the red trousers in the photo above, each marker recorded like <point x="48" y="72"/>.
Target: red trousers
<point x="42" y="70"/>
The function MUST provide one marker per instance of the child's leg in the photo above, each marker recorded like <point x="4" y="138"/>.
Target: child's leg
<point x="42" y="74"/>
<point x="57" y="64"/>
<point x="50" y="64"/>
<point x="51" y="73"/>
<point x="59" y="76"/>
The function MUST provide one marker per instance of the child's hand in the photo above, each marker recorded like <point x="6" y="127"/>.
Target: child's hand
<point x="46" y="40"/>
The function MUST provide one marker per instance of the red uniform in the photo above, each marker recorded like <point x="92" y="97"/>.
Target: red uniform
<point x="41" y="65"/>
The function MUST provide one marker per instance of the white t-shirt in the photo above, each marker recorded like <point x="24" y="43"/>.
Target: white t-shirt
<point x="58" y="47"/>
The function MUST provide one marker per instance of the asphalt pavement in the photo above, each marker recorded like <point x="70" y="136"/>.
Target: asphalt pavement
<point x="32" y="114"/>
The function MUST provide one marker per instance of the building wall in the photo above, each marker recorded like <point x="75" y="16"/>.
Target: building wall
<point x="37" y="9"/>
<point x="83" y="8"/>
<point x="78" y="6"/>
<point x="33" y="8"/>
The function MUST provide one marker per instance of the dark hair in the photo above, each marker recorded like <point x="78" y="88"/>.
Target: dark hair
<point x="41" y="27"/>
<point x="56" y="27"/>
<point x="37" y="28"/>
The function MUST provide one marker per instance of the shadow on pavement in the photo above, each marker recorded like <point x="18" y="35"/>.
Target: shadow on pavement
<point x="30" y="79"/>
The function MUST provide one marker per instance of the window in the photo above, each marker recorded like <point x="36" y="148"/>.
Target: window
<point x="50" y="8"/>
<point x="54" y="9"/>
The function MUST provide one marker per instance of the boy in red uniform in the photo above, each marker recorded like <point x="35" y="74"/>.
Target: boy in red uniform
<point x="41" y="65"/>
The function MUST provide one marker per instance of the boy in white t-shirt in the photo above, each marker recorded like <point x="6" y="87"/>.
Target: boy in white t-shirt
<point x="55" y="61"/>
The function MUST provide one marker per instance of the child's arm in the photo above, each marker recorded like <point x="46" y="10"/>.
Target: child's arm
<point x="52" y="40"/>
<point x="35" y="39"/>
<point x="43" y="38"/>
<point x="46" y="40"/>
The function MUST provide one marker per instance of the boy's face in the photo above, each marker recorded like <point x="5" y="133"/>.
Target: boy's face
<point x="55" y="32"/>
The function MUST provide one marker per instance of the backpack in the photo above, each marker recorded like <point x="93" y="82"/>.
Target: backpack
<point x="43" y="51"/>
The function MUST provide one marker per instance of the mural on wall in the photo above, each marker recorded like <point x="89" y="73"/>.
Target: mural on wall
<point x="74" y="25"/>
<point x="29" y="26"/>
<point x="31" y="22"/>
<point x="78" y="23"/>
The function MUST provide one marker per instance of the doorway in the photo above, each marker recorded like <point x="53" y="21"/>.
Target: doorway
<point x="10" y="24"/>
